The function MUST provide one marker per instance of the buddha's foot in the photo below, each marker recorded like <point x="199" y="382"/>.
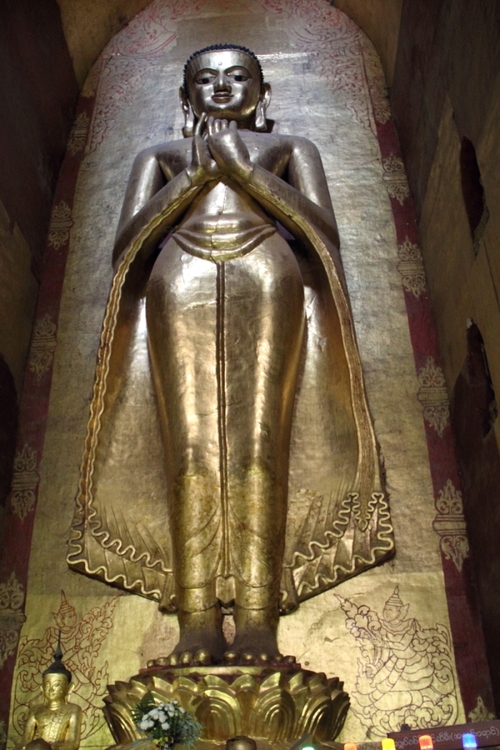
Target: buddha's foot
<point x="255" y="658"/>
<point x="200" y="658"/>
<point x="195" y="648"/>
<point x="204" y="658"/>
<point x="255" y="647"/>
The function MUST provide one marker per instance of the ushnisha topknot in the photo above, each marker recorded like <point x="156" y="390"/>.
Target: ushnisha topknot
<point x="212" y="47"/>
<point x="57" y="667"/>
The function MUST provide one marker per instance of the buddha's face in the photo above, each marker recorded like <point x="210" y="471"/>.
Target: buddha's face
<point x="224" y="84"/>
<point x="55" y="687"/>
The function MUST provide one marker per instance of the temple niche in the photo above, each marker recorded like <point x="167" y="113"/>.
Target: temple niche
<point x="328" y="86"/>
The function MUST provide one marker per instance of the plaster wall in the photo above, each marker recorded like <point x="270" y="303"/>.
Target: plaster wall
<point x="89" y="26"/>
<point x="37" y="94"/>
<point x="380" y="21"/>
<point x="447" y="88"/>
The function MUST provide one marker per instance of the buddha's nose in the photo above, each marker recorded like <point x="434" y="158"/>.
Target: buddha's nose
<point x="222" y="82"/>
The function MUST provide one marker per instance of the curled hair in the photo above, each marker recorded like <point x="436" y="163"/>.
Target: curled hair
<point x="217" y="47"/>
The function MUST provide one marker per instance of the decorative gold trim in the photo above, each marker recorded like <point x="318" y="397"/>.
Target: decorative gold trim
<point x="480" y="712"/>
<point x="411" y="268"/>
<point x="60" y="225"/>
<point x="43" y="346"/>
<point x="450" y="525"/>
<point x="24" y="482"/>
<point x="11" y="616"/>
<point x="78" y="136"/>
<point x="327" y="573"/>
<point x="395" y="178"/>
<point x="433" y="396"/>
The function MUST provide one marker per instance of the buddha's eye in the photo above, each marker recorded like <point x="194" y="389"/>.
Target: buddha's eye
<point x="204" y="78"/>
<point x="239" y="75"/>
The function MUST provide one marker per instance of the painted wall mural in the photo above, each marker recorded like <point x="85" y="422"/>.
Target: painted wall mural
<point x="81" y="640"/>
<point x="404" y="671"/>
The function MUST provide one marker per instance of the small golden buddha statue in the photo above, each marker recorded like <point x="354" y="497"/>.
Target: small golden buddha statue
<point x="55" y="724"/>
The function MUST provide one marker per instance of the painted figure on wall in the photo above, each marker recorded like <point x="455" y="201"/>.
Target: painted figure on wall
<point x="55" y="724"/>
<point x="226" y="261"/>
<point x="405" y="671"/>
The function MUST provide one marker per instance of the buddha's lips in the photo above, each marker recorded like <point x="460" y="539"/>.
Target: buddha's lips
<point x="222" y="98"/>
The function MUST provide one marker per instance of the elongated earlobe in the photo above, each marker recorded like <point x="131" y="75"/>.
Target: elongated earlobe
<point x="188" y="129"/>
<point x="260" y="111"/>
<point x="260" y="117"/>
<point x="189" y="118"/>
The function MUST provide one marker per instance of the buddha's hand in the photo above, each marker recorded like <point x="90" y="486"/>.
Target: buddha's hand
<point x="202" y="168"/>
<point x="228" y="149"/>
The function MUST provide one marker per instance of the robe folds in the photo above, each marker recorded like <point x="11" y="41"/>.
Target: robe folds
<point x="338" y="518"/>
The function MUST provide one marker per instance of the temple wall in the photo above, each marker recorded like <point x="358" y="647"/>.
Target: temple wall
<point x="38" y="92"/>
<point x="446" y="103"/>
<point x="328" y="86"/>
<point x="379" y="19"/>
<point x="89" y="26"/>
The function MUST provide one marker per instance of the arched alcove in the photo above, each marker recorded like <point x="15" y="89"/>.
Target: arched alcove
<point x="328" y="86"/>
<point x="89" y="26"/>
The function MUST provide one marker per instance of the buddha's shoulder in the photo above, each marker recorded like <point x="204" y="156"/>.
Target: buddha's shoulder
<point x="281" y="140"/>
<point x="40" y="709"/>
<point x="73" y="709"/>
<point x="168" y="148"/>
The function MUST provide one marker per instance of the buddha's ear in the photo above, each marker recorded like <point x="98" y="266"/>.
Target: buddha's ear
<point x="263" y="104"/>
<point x="266" y="95"/>
<point x="189" y="119"/>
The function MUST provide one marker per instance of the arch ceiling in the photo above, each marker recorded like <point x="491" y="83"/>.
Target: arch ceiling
<point x="89" y="26"/>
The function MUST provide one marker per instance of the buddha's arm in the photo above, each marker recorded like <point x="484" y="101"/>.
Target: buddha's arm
<point x="71" y="739"/>
<point x="148" y="197"/>
<point x="29" y="732"/>
<point x="305" y="199"/>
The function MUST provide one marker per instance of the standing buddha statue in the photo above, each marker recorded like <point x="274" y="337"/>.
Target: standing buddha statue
<point x="230" y="238"/>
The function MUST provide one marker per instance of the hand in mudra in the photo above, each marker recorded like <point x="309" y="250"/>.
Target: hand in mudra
<point x="202" y="168"/>
<point x="228" y="149"/>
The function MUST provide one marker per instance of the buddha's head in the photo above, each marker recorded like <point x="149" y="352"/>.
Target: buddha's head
<point x="55" y="687"/>
<point x="56" y="678"/>
<point x="225" y="81"/>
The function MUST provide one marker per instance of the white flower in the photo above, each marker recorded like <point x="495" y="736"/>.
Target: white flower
<point x="181" y="710"/>
<point x="165" y="725"/>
